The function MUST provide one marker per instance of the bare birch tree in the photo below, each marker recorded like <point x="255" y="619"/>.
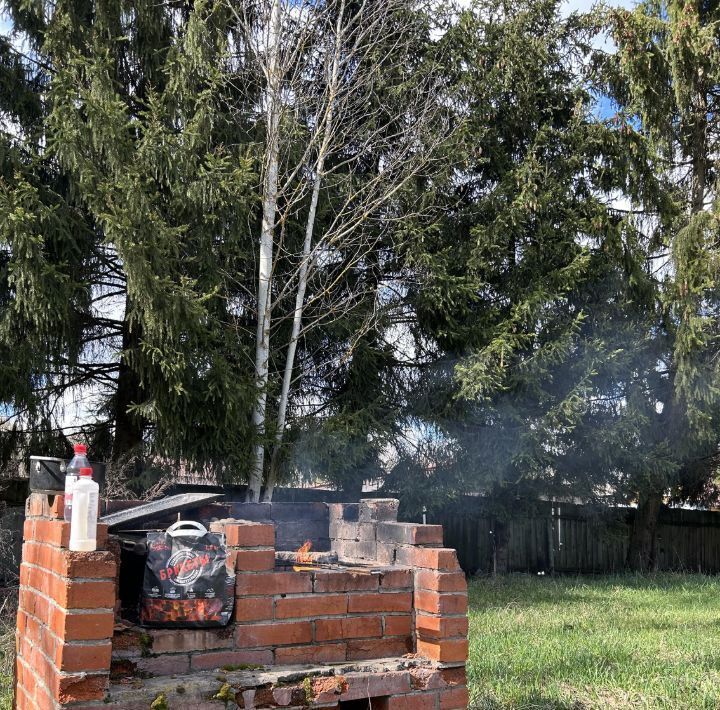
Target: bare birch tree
<point x="327" y="133"/>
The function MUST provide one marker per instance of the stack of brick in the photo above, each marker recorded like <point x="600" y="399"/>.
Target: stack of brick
<point x="65" y="613"/>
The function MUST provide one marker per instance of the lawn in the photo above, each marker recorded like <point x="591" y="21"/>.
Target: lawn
<point x="595" y="642"/>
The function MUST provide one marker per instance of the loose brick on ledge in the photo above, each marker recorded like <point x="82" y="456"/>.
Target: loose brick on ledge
<point x="444" y="650"/>
<point x="311" y="606"/>
<point x="438" y="558"/>
<point x="435" y="603"/>
<point x="349" y="627"/>
<point x="440" y="581"/>
<point x="410" y="533"/>
<point x="274" y="634"/>
<point x="382" y="601"/>
<point x="433" y="627"/>
<point x="245" y="533"/>
<point x="317" y="653"/>
<point x="344" y="581"/>
<point x="273" y="583"/>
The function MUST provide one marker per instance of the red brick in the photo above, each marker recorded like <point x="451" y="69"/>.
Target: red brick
<point x="249" y="535"/>
<point x="398" y="625"/>
<point x="348" y="627"/>
<point x="440" y="558"/>
<point x="440" y="581"/>
<point x="218" y="659"/>
<point x="440" y="626"/>
<point x="84" y="595"/>
<point x="173" y="641"/>
<point x="94" y="565"/>
<point x="72" y="657"/>
<point x="375" y="685"/>
<point x="28" y="529"/>
<point x="359" y="650"/>
<point x="273" y="583"/>
<point x="435" y="603"/>
<point x="445" y="651"/>
<point x="76" y="688"/>
<point x="252" y="560"/>
<point x="416" y="701"/>
<point x="317" y="653"/>
<point x="389" y="601"/>
<point x="99" y="565"/>
<point x="312" y="606"/>
<point x="53" y="532"/>
<point x="23" y="699"/>
<point x="41" y="505"/>
<point x="81" y="627"/>
<point x="276" y="634"/>
<point x="396" y="579"/>
<point x="253" y="608"/>
<point x="454" y="699"/>
<point x="454" y="676"/>
<point x="343" y="581"/>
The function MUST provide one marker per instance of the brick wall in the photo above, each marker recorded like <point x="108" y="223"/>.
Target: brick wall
<point x="65" y="613"/>
<point x="399" y="594"/>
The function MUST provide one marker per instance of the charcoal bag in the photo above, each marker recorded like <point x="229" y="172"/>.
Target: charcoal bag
<point x="186" y="583"/>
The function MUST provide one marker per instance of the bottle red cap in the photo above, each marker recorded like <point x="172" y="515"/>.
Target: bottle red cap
<point x="80" y="449"/>
<point x="86" y="471"/>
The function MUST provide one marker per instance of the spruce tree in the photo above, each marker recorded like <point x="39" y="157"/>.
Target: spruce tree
<point x="664" y="78"/>
<point x="533" y="286"/>
<point x="133" y="123"/>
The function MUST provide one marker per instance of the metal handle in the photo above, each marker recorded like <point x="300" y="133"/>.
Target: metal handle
<point x="174" y="530"/>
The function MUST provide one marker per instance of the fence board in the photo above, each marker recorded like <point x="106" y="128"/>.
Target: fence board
<point x="581" y="540"/>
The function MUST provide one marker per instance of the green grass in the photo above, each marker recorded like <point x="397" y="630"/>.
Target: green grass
<point x="595" y="642"/>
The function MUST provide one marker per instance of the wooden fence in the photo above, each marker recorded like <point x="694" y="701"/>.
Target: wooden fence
<point x="569" y="538"/>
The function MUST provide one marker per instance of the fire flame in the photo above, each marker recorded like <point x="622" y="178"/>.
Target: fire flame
<point x="303" y="556"/>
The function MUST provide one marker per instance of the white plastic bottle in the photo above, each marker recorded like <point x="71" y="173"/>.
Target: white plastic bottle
<point x="83" y="526"/>
<point x="78" y="461"/>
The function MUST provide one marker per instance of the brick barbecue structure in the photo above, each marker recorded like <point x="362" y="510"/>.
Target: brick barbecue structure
<point x="377" y="621"/>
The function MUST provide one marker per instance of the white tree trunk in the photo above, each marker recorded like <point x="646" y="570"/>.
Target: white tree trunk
<point x="295" y="335"/>
<point x="267" y="236"/>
